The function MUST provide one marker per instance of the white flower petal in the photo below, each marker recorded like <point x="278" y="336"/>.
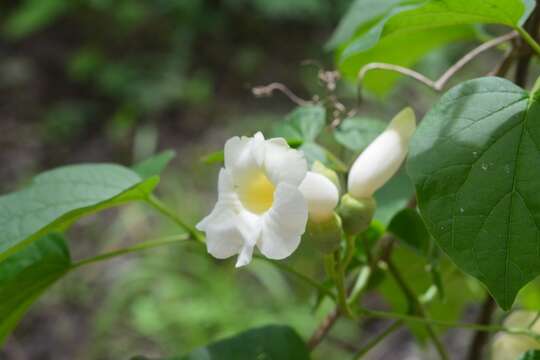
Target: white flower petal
<point x="229" y="227"/>
<point x="321" y="194"/>
<point x="244" y="157"/>
<point x="284" y="224"/>
<point x="245" y="256"/>
<point x="284" y="164"/>
<point x="383" y="157"/>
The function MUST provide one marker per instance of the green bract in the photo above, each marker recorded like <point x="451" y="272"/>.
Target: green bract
<point x="475" y="161"/>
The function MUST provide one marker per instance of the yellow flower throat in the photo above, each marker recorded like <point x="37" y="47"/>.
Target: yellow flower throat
<point x="257" y="194"/>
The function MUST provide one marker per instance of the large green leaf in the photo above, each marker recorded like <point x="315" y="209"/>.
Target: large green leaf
<point x="26" y="274"/>
<point x="442" y="13"/>
<point x="304" y="123"/>
<point x="475" y="162"/>
<point x="405" y="49"/>
<point x="360" y="14"/>
<point x="269" y="343"/>
<point x="58" y="197"/>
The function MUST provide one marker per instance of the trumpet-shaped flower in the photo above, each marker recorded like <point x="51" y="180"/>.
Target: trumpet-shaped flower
<point x="383" y="157"/>
<point x="321" y="194"/>
<point x="259" y="202"/>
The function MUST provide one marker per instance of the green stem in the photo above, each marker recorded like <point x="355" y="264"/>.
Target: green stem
<point x="528" y="39"/>
<point x="448" y="324"/>
<point x="362" y="280"/>
<point x="300" y="276"/>
<point x="417" y="308"/>
<point x="375" y="341"/>
<point x="132" y="249"/>
<point x="165" y="210"/>
<point x="335" y="272"/>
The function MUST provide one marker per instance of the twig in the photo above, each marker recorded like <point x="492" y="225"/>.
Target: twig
<point x="503" y="67"/>
<point x="438" y="84"/>
<point x="323" y="329"/>
<point x="480" y="337"/>
<point x="534" y="320"/>
<point x="267" y="90"/>
<point x="526" y="46"/>
<point x="132" y="249"/>
<point x="342" y="344"/>
<point x="375" y="341"/>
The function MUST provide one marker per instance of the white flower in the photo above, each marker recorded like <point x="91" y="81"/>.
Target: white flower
<point x="259" y="202"/>
<point x="510" y="346"/>
<point x="321" y="194"/>
<point x="383" y="157"/>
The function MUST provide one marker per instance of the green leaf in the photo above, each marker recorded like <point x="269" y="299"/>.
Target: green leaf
<point x="58" y="197"/>
<point x="154" y="165"/>
<point x="361" y="13"/>
<point x="25" y="275"/>
<point x="271" y="342"/>
<point x="443" y="13"/>
<point x="410" y="229"/>
<point x="305" y="123"/>
<point x="405" y="49"/>
<point x="530" y="355"/>
<point x="393" y="197"/>
<point x="475" y="162"/>
<point x="356" y="133"/>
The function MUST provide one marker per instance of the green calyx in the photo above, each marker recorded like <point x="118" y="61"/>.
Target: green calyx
<point x="356" y="214"/>
<point x="324" y="235"/>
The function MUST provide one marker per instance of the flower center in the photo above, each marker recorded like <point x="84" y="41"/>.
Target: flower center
<point x="257" y="194"/>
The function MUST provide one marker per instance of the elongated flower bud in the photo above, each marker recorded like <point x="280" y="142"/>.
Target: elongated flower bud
<point x="383" y="157"/>
<point x="321" y="195"/>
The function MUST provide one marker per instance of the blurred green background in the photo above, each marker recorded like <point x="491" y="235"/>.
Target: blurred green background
<point x="117" y="81"/>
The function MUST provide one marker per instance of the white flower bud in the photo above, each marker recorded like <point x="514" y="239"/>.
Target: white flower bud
<point x="383" y="157"/>
<point x="321" y="195"/>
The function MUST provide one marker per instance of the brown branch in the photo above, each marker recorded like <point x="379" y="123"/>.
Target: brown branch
<point x="323" y="329"/>
<point x="480" y="338"/>
<point x="522" y="67"/>
<point x="267" y="90"/>
<point x="504" y="66"/>
<point x="437" y="85"/>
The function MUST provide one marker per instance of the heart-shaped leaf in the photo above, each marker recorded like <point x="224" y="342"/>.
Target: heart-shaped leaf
<point x="475" y="162"/>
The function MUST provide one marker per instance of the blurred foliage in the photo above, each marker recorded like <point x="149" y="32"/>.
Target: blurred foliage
<point x="131" y="59"/>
